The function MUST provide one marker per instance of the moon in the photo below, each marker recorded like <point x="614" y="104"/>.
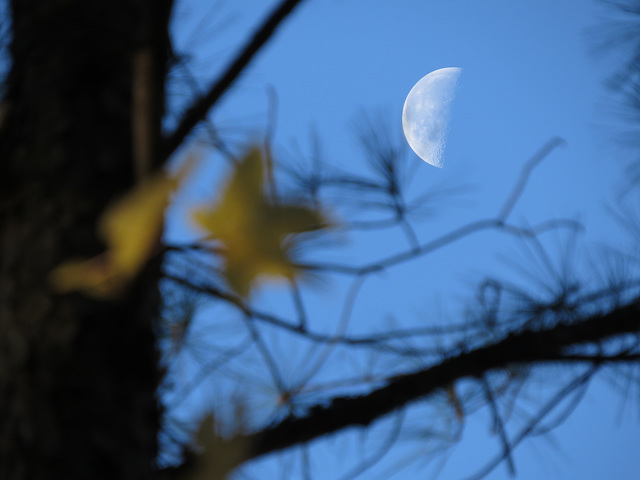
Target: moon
<point x="427" y="111"/>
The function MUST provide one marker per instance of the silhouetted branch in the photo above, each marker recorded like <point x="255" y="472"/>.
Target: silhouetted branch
<point x="379" y="454"/>
<point x="198" y="111"/>
<point x="299" y="304"/>
<point x="499" y="424"/>
<point x="532" y="347"/>
<point x="276" y="321"/>
<point x="439" y="242"/>
<point x="208" y="369"/>
<point x="528" y="167"/>
<point x="542" y="332"/>
<point x="542" y="413"/>
<point x="269" y="361"/>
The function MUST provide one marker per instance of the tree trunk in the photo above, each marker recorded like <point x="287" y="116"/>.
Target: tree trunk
<point x="78" y="377"/>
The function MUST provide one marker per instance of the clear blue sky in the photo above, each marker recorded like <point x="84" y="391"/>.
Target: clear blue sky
<point x="527" y="76"/>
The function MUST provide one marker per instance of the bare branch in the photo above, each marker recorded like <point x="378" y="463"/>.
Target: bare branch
<point x="377" y="456"/>
<point x="198" y="111"/>
<point x="499" y="424"/>
<point x="578" y="382"/>
<point x="440" y="242"/>
<point x="532" y="163"/>
<point x="525" y="347"/>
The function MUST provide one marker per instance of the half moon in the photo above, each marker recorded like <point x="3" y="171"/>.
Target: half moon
<point x="427" y="111"/>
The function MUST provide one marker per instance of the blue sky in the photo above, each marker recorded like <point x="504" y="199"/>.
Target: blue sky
<point x="527" y="76"/>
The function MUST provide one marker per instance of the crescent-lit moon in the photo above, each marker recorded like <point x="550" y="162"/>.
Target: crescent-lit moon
<point x="426" y="114"/>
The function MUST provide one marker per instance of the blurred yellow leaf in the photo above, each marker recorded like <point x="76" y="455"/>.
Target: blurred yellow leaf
<point x="131" y="228"/>
<point x="218" y="456"/>
<point x="95" y="276"/>
<point x="257" y="235"/>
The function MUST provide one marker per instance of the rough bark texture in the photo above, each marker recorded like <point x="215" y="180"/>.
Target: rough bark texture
<point x="77" y="376"/>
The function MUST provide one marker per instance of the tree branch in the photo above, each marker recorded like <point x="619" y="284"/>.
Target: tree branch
<point x="524" y="347"/>
<point x="499" y="426"/>
<point x="202" y="105"/>
<point x="528" y="429"/>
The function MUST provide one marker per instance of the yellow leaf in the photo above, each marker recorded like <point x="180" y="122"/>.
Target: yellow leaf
<point x="218" y="456"/>
<point x="131" y="228"/>
<point x="94" y="276"/>
<point x="257" y="235"/>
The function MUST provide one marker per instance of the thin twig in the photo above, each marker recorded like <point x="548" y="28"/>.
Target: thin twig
<point x="314" y="336"/>
<point x="440" y="242"/>
<point x="266" y="354"/>
<point x="499" y="424"/>
<point x="207" y="370"/>
<point x="542" y="413"/>
<point x="525" y="173"/>
<point x="367" y="463"/>
<point x="345" y="317"/>
<point x="299" y="304"/>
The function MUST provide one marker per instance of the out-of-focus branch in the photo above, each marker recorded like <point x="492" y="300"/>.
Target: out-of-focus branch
<point x="498" y="223"/>
<point x="525" y="347"/>
<point x="576" y="383"/>
<point x="440" y="242"/>
<point x="528" y="167"/>
<point x="198" y="111"/>
<point x="499" y="426"/>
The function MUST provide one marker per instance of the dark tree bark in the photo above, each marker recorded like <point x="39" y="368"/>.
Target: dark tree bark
<point x="78" y="377"/>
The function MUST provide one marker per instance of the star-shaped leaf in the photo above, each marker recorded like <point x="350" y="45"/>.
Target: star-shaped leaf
<point x="257" y="234"/>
